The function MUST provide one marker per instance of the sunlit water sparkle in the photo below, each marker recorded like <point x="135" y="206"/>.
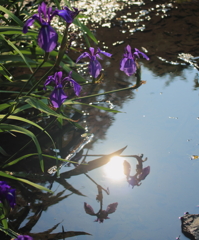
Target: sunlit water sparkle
<point x="114" y="169"/>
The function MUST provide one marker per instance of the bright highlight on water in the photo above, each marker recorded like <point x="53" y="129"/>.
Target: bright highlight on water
<point x="114" y="169"/>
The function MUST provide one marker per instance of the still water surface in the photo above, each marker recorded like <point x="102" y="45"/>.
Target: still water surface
<point x="159" y="120"/>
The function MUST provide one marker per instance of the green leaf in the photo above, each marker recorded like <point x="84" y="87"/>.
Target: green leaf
<point x="6" y="73"/>
<point x="90" y="105"/>
<point x="18" y="51"/>
<point x="6" y="105"/>
<point x="14" y="58"/>
<point x="38" y="104"/>
<point x="3" y="174"/>
<point x="10" y="30"/>
<point x="3" y="216"/>
<point x="13" y="128"/>
<point x="3" y="152"/>
<point x="11" y="15"/>
<point x="22" y="108"/>
<point x="34" y="154"/>
<point x="29" y="122"/>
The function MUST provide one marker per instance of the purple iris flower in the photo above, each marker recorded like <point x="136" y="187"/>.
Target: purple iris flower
<point x="47" y="37"/>
<point x="68" y="15"/>
<point x="58" y="96"/>
<point x="7" y="194"/>
<point x="102" y="214"/>
<point x="94" y="67"/>
<point x="128" y="63"/>
<point x="23" y="237"/>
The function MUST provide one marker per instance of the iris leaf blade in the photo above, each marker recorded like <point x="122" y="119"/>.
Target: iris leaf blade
<point x="38" y="104"/>
<point x="3" y="174"/>
<point x="13" y="128"/>
<point x="29" y="122"/>
<point x="19" y="52"/>
<point x="11" y="15"/>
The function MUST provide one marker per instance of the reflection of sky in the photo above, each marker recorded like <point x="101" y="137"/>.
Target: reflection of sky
<point x="147" y="125"/>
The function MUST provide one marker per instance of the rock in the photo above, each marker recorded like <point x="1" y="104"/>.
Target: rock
<point x="190" y="226"/>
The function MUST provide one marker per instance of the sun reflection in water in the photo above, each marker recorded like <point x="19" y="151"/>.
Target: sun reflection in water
<point x="114" y="169"/>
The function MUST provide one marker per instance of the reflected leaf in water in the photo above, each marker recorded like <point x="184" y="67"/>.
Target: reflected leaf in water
<point x="102" y="214"/>
<point x="91" y="165"/>
<point x="57" y="236"/>
<point x="68" y="186"/>
<point x="128" y="64"/>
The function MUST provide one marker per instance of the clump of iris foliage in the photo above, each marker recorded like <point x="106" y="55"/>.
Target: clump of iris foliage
<point x="28" y="40"/>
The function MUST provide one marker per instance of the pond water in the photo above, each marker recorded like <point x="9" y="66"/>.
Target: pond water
<point x="159" y="119"/>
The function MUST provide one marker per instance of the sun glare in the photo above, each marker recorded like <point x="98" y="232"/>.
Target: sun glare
<point x="114" y="169"/>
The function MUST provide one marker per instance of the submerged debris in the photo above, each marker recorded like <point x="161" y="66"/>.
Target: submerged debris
<point x="190" y="226"/>
<point x="194" y="157"/>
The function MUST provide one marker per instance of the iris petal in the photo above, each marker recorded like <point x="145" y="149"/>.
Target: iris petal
<point x="143" y="54"/>
<point x="23" y="237"/>
<point x="76" y="86"/>
<point x="47" y="38"/>
<point x="66" y="16"/>
<point x="128" y="66"/>
<point x="83" y="55"/>
<point x="94" y="68"/>
<point x="57" y="97"/>
<point x="27" y="24"/>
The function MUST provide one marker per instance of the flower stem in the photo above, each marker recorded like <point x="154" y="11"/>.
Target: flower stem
<point x="36" y="70"/>
<point x="93" y="81"/>
<point x="37" y="83"/>
<point x="63" y="47"/>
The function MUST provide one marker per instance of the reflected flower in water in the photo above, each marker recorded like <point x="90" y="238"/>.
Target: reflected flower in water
<point x="102" y="214"/>
<point x="144" y="173"/>
<point x="127" y="168"/>
<point x="133" y="181"/>
<point x="47" y="37"/>
<point x="58" y="96"/>
<point x="7" y="194"/>
<point x="23" y="237"/>
<point x="128" y="64"/>
<point x="94" y="67"/>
